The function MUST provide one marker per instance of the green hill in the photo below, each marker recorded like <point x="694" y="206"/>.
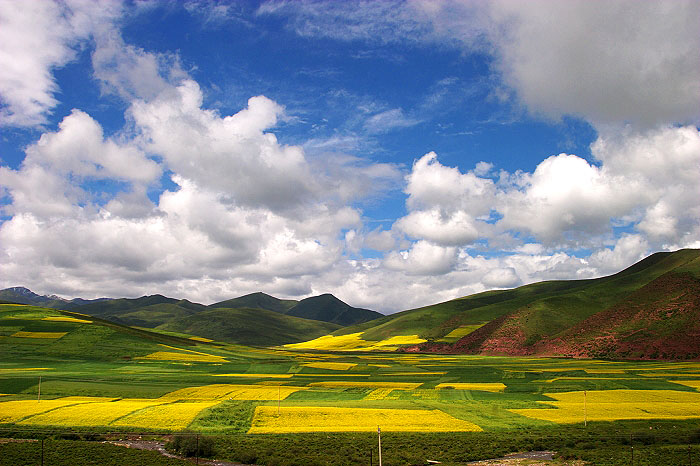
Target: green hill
<point x="538" y="318"/>
<point x="257" y="301"/>
<point x="154" y="315"/>
<point x="124" y="305"/>
<point x="328" y="308"/>
<point x="247" y="326"/>
<point x="22" y="295"/>
<point x="40" y="334"/>
<point x="615" y="309"/>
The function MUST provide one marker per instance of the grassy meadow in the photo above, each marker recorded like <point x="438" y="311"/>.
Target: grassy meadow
<point x="103" y="378"/>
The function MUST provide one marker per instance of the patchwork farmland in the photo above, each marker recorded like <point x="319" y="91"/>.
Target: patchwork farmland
<point x="165" y="383"/>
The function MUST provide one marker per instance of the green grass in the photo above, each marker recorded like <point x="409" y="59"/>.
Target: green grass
<point x="249" y="326"/>
<point x="90" y="361"/>
<point x="543" y="309"/>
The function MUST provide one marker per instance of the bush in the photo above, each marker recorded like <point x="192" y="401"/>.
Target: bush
<point x="192" y="445"/>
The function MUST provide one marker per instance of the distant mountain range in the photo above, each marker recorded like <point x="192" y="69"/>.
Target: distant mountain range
<point x="254" y="319"/>
<point x="650" y="310"/>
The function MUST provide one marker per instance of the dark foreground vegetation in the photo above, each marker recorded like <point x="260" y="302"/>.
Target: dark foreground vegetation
<point x="613" y="443"/>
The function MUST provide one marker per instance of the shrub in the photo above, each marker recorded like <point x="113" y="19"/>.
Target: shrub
<point x="192" y="445"/>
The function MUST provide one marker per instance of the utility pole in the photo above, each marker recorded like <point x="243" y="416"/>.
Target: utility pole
<point x="379" y="433"/>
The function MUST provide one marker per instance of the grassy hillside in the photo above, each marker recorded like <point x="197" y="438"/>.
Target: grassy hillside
<point x="249" y="326"/>
<point x="124" y="305"/>
<point x="513" y="321"/>
<point x="153" y="315"/>
<point x="328" y="308"/>
<point x="660" y="320"/>
<point x="41" y="334"/>
<point x="257" y="301"/>
<point x="617" y="304"/>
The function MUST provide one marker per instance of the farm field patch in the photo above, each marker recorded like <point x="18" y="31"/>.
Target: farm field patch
<point x="173" y="416"/>
<point x="330" y="419"/>
<point x="230" y="391"/>
<point x="89" y="413"/>
<point x="188" y="357"/>
<point x="94" y="376"/>
<point x="613" y="405"/>
<point x="487" y="387"/>
<point x="22" y="334"/>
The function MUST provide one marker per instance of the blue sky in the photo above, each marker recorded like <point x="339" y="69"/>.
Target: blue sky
<point x="394" y="153"/>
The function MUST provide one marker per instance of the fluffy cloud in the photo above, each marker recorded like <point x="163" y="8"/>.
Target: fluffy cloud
<point x="560" y="58"/>
<point x="424" y="258"/>
<point x="35" y="38"/>
<point x="565" y="195"/>
<point x="52" y="179"/>
<point x="557" y="56"/>
<point x="232" y="154"/>
<point x="645" y="180"/>
<point x="246" y="212"/>
<point x="131" y="72"/>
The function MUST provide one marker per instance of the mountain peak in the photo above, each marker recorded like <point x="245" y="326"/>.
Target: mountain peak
<point x="328" y="308"/>
<point x="20" y="290"/>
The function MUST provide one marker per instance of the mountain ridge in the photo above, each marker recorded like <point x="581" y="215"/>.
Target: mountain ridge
<point x="152" y="311"/>
<point x="618" y="316"/>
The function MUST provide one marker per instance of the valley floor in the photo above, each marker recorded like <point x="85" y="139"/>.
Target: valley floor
<point x="284" y="406"/>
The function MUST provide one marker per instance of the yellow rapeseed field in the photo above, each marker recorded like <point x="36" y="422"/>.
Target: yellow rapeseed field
<point x="349" y="383"/>
<point x="87" y="398"/>
<point x="13" y="411"/>
<point x="294" y="419"/>
<point x="484" y="387"/>
<point x="354" y="342"/>
<point x="605" y="371"/>
<point x="16" y="369"/>
<point x="67" y="319"/>
<point x="332" y="342"/>
<point x="90" y="413"/>
<point x="459" y="332"/>
<point x="39" y="334"/>
<point x="205" y="340"/>
<point x="378" y="394"/>
<point x="398" y="340"/>
<point x="334" y="366"/>
<point x="231" y="391"/>
<point x="588" y="378"/>
<point x="173" y="416"/>
<point x="259" y="376"/>
<point x="189" y="357"/>
<point x="610" y="405"/>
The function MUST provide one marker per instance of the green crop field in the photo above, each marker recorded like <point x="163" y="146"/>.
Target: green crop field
<point x="60" y="370"/>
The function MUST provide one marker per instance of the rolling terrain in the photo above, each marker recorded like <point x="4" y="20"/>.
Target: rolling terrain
<point x="650" y="310"/>
<point x="254" y="319"/>
<point x="268" y="405"/>
<point x="246" y="326"/>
